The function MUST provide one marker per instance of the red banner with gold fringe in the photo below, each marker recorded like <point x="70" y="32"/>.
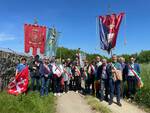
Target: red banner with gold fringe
<point x="35" y="37"/>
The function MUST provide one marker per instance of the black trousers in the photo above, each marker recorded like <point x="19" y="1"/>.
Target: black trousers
<point x="56" y="84"/>
<point x="131" y="82"/>
<point x="77" y="83"/>
<point x="91" y="82"/>
<point x="66" y="86"/>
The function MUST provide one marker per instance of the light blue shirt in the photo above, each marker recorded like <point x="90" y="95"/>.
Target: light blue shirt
<point x="20" y="67"/>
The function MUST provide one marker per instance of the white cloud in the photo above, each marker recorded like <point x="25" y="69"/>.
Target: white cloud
<point x="6" y="37"/>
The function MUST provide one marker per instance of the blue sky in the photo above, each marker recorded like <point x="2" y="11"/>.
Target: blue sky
<point x="76" y="20"/>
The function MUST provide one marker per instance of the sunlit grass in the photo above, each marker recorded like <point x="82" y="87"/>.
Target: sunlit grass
<point x="96" y="105"/>
<point x="27" y="103"/>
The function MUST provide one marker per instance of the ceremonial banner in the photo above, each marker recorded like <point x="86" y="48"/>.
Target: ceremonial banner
<point x="35" y="37"/>
<point x="51" y="42"/>
<point x="20" y="83"/>
<point x="109" y="27"/>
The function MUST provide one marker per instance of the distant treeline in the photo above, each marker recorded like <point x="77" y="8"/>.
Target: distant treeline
<point x="64" y="53"/>
<point x="142" y="57"/>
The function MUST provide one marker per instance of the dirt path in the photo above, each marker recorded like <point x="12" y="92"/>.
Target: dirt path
<point x="126" y="107"/>
<point x="72" y="103"/>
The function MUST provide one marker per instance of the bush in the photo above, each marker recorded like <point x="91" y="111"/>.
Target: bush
<point x="143" y="95"/>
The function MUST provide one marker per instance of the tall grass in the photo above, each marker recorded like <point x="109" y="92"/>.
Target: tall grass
<point x="30" y="103"/>
<point x="143" y="95"/>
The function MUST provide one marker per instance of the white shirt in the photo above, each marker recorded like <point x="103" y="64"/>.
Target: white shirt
<point x="130" y="73"/>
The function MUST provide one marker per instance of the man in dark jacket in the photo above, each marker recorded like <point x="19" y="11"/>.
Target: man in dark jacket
<point x="103" y="79"/>
<point x="34" y="73"/>
<point x="131" y="78"/>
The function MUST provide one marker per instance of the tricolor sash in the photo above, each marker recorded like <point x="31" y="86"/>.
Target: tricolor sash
<point x="56" y="70"/>
<point x="68" y="74"/>
<point x="77" y="71"/>
<point x="136" y="74"/>
<point x="91" y="69"/>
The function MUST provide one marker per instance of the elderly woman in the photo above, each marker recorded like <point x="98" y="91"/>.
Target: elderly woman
<point x="44" y="73"/>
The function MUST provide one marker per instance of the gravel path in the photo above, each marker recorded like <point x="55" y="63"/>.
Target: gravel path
<point x="72" y="103"/>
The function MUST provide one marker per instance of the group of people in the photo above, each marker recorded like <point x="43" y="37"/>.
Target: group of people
<point x="99" y="77"/>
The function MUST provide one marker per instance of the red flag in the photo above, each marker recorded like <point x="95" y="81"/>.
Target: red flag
<point x="109" y="27"/>
<point x="20" y="83"/>
<point x="35" y="37"/>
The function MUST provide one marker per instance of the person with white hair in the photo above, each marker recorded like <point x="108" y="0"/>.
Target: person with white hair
<point x="103" y="80"/>
<point x="44" y="73"/>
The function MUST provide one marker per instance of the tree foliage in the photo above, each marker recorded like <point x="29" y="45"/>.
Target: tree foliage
<point x="64" y="53"/>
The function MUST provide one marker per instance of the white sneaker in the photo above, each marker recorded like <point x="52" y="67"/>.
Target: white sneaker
<point x="59" y="94"/>
<point x="55" y="94"/>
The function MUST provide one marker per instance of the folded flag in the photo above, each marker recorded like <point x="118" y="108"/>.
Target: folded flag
<point x="20" y="83"/>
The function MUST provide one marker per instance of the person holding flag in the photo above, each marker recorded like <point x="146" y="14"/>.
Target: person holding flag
<point x="21" y="66"/>
<point x="20" y="83"/>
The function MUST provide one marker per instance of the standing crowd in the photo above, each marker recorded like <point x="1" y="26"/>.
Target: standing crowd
<point x="100" y="78"/>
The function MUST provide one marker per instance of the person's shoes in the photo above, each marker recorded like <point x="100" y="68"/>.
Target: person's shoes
<point x="106" y="99"/>
<point x="101" y="100"/>
<point x="76" y="91"/>
<point x="119" y="104"/>
<point x="59" y="94"/>
<point x="110" y="102"/>
<point x="55" y="94"/>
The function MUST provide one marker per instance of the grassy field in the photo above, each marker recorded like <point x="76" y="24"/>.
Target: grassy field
<point x="143" y="96"/>
<point x="30" y="103"/>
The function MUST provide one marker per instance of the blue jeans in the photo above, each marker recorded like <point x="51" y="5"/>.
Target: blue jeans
<point x="114" y="85"/>
<point x="44" y="86"/>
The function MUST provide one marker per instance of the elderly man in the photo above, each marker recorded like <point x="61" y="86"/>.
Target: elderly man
<point x="98" y="63"/>
<point x="123" y="83"/>
<point x="114" y="75"/>
<point x="103" y="79"/>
